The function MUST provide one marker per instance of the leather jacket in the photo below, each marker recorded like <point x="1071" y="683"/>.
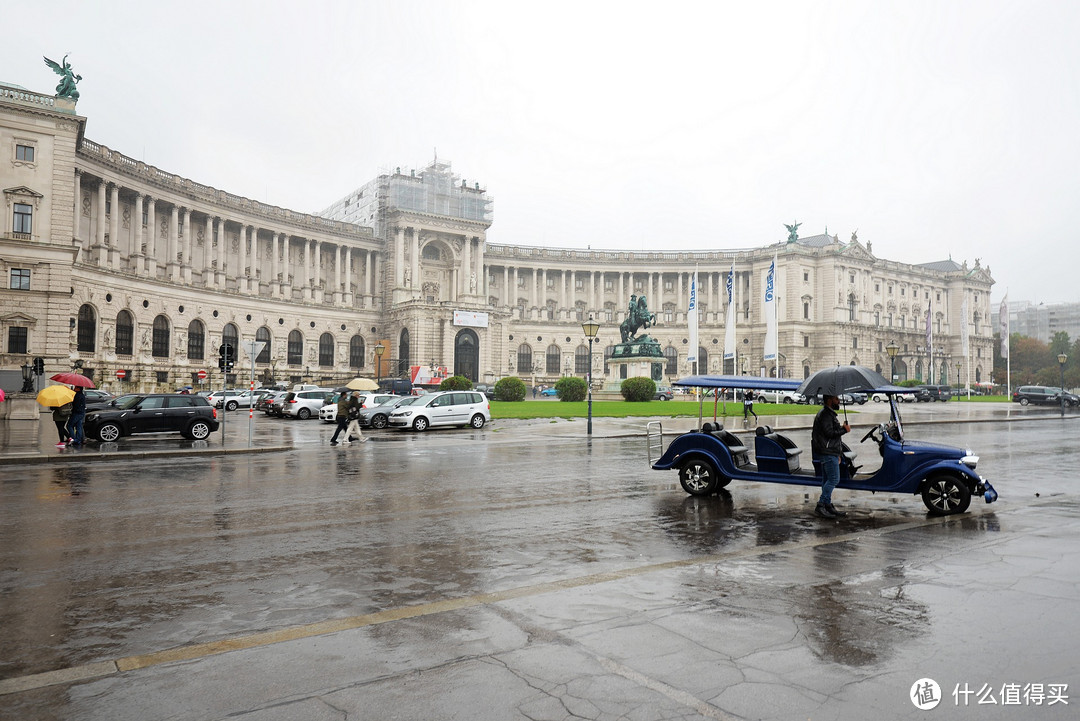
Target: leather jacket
<point x="825" y="438"/>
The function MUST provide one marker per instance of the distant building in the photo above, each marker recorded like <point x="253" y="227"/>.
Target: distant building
<point x="115" y="265"/>
<point x="1041" y="321"/>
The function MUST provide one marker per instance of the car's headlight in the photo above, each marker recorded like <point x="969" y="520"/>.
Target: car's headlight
<point x="970" y="460"/>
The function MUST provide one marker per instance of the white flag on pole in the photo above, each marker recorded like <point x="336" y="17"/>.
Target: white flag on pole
<point x="1003" y="325"/>
<point x="964" y="329"/>
<point x="729" y="331"/>
<point x="692" y="321"/>
<point x="770" y="312"/>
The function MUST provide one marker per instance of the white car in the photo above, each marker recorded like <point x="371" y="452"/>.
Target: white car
<point x="900" y="397"/>
<point x="304" y="404"/>
<point x="445" y="408"/>
<point x="328" y="412"/>
<point x="230" y="399"/>
<point x="777" y="397"/>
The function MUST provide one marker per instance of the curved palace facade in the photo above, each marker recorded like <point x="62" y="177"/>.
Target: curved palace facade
<point x="112" y="265"/>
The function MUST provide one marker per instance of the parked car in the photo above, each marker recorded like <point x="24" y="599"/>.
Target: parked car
<point x="378" y="416"/>
<point x="110" y="402"/>
<point x="937" y="392"/>
<point x="1039" y="395"/>
<point x="777" y="396"/>
<point x="96" y="395"/>
<point x="396" y="386"/>
<point x="328" y="412"/>
<point x="663" y="393"/>
<point x="270" y="403"/>
<point x="847" y="399"/>
<point x="445" y="408"/>
<point x="230" y="399"/>
<point x="304" y="404"/>
<point x="1071" y="399"/>
<point x="901" y="397"/>
<point x="549" y="392"/>
<point x="484" y="388"/>
<point x="190" y="415"/>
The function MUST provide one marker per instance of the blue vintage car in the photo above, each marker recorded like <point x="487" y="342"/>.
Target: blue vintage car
<point x="709" y="457"/>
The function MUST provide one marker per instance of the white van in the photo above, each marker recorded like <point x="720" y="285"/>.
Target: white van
<point x="445" y="408"/>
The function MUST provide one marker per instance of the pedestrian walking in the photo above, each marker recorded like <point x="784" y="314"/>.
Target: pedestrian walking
<point x="60" y="416"/>
<point x="748" y="406"/>
<point x="826" y="446"/>
<point x="354" y="419"/>
<point x="78" y="415"/>
<point x="534" y="391"/>
<point x="342" y="418"/>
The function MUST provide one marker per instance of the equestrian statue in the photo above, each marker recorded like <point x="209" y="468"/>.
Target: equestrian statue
<point x="638" y="316"/>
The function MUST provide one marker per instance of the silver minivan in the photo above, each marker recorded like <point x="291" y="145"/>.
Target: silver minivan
<point x="445" y="408"/>
<point x="304" y="404"/>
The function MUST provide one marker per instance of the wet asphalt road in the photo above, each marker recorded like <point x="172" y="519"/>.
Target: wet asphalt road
<point x="742" y="605"/>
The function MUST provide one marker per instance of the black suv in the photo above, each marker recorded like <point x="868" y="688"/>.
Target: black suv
<point x="193" y="416"/>
<point x="933" y="393"/>
<point x="1041" y="395"/>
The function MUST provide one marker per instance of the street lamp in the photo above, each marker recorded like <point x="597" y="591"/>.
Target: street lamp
<point x="27" y="378"/>
<point x="892" y="349"/>
<point x="379" y="350"/>
<point x="591" y="328"/>
<point x="1061" y="362"/>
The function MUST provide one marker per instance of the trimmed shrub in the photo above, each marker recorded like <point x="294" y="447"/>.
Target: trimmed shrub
<point x="571" y="388"/>
<point x="510" y="389"/>
<point x="455" y="383"/>
<point x="638" y="389"/>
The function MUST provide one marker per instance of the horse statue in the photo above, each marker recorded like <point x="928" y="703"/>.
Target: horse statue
<point x="638" y="316"/>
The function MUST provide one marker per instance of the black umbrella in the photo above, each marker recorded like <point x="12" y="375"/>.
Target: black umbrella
<point x="838" y="380"/>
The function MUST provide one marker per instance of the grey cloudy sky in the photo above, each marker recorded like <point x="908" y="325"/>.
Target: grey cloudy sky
<point x="936" y="128"/>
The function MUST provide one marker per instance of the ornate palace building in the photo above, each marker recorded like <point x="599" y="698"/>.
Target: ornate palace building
<point x="110" y="264"/>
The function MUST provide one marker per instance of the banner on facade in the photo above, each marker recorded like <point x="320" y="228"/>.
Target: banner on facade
<point x="770" y="313"/>
<point x="692" y="321"/>
<point x="729" y="331"/>
<point x="470" y="318"/>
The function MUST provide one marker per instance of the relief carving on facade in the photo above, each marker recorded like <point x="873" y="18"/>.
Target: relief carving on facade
<point x="86" y="204"/>
<point x="125" y="217"/>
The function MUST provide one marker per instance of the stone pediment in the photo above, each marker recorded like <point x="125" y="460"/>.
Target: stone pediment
<point x="856" y="250"/>
<point x="23" y="190"/>
<point x="18" y="319"/>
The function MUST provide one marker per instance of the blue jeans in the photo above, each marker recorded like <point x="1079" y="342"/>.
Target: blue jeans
<point x="342" y="424"/>
<point x="75" y="427"/>
<point x="830" y="468"/>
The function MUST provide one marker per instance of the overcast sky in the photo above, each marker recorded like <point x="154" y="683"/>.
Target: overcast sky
<point x="936" y="129"/>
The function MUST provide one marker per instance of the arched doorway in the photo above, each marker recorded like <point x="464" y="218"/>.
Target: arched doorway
<point x="467" y="354"/>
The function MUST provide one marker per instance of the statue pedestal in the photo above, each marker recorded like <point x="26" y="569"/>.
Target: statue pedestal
<point x="637" y="358"/>
<point x="21" y="407"/>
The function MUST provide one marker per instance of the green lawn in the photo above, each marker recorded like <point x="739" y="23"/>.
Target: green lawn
<point x="623" y="409"/>
<point x="981" y="399"/>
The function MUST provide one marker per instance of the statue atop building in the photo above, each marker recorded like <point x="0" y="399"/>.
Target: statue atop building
<point x="68" y="80"/>
<point x="792" y="232"/>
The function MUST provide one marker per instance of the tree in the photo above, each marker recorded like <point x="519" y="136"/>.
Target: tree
<point x="455" y="383"/>
<point x="571" y="388"/>
<point x="638" y="389"/>
<point x="510" y="389"/>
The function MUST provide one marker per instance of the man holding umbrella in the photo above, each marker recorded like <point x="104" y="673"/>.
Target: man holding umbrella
<point x="826" y="446"/>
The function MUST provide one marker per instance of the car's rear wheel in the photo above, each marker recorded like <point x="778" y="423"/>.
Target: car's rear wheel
<point x="698" y="478"/>
<point x="420" y="424"/>
<point x="945" y="495"/>
<point x="1024" y="401"/>
<point x="303" y="414"/>
<point x="378" y="421"/>
<point x="478" y="421"/>
<point x="198" y="431"/>
<point x="109" y="432"/>
<point x="232" y="406"/>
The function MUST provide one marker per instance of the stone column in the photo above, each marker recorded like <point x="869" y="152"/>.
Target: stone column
<point x="415" y="258"/>
<point x="506" y="286"/>
<point x="187" y="248"/>
<point x="347" y="294"/>
<point x="399" y="252"/>
<point x="241" y="257"/>
<point x="99" y="231"/>
<point x="135" y="259"/>
<point x="275" y="271"/>
<point x="219" y="269"/>
<point x="376" y="262"/>
<point x="151" y="240"/>
<point x="317" y="262"/>
<point x="171" y="244"/>
<point x="112" y="253"/>
<point x="78" y="209"/>
<point x="208" y="246"/>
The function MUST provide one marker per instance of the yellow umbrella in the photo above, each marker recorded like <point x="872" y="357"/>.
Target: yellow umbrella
<point x="55" y="396"/>
<point x="362" y="384"/>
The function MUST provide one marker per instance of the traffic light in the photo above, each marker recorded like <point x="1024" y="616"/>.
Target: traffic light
<point x="226" y="357"/>
<point x="39" y="366"/>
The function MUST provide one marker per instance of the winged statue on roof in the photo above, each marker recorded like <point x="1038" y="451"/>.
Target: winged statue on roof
<point x="68" y="79"/>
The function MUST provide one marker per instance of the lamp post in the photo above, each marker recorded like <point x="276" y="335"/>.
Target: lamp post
<point x="892" y="349"/>
<point x="1061" y="362"/>
<point x="591" y="328"/>
<point x="379" y="350"/>
<point x="27" y="378"/>
<point x="958" y="375"/>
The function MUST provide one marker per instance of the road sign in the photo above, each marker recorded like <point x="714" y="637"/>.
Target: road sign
<point x="202" y="375"/>
<point x="121" y="375"/>
<point x="253" y="347"/>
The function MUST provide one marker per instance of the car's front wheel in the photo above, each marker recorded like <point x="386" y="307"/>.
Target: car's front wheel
<point x="1024" y="401"/>
<point x="109" y="432"/>
<point x="303" y="414"/>
<point x="945" y="495"/>
<point x="478" y="421"/>
<point x="698" y="478"/>
<point x="378" y="421"/>
<point x="232" y="406"/>
<point x="420" y="424"/>
<point x="198" y="431"/>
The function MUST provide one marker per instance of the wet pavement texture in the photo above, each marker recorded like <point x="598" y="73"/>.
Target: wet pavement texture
<point x="522" y="572"/>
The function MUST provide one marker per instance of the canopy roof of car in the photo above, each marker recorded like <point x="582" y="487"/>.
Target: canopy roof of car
<point x="755" y="382"/>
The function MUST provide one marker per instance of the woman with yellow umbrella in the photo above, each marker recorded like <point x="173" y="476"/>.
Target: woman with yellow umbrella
<point x="59" y="399"/>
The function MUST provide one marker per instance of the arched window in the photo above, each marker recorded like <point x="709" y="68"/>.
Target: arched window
<point x="524" y="359"/>
<point x="805" y="372"/>
<point x="295" y="351"/>
<point x="125" y="332"/>
<point x="160" y="346"/>
<point x="467" y="354"/>
<point x="581" y="359"/>
<point x="671" y="356"/>
<point x="230" y="334"/>
<point x="553" y="359"/>
<point x="404" y="353"/>
<point x="702" y="360"/>
<point x="851" y="307"/>
<point x="87" y="329"/>
<point x="976" y="318"/>
<point x="326" y="350"/>
<point x="262" y="335"/>
<point x="356" y="352"/>
<point x="196" y="340"/>
<point x="430" y="252"/>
